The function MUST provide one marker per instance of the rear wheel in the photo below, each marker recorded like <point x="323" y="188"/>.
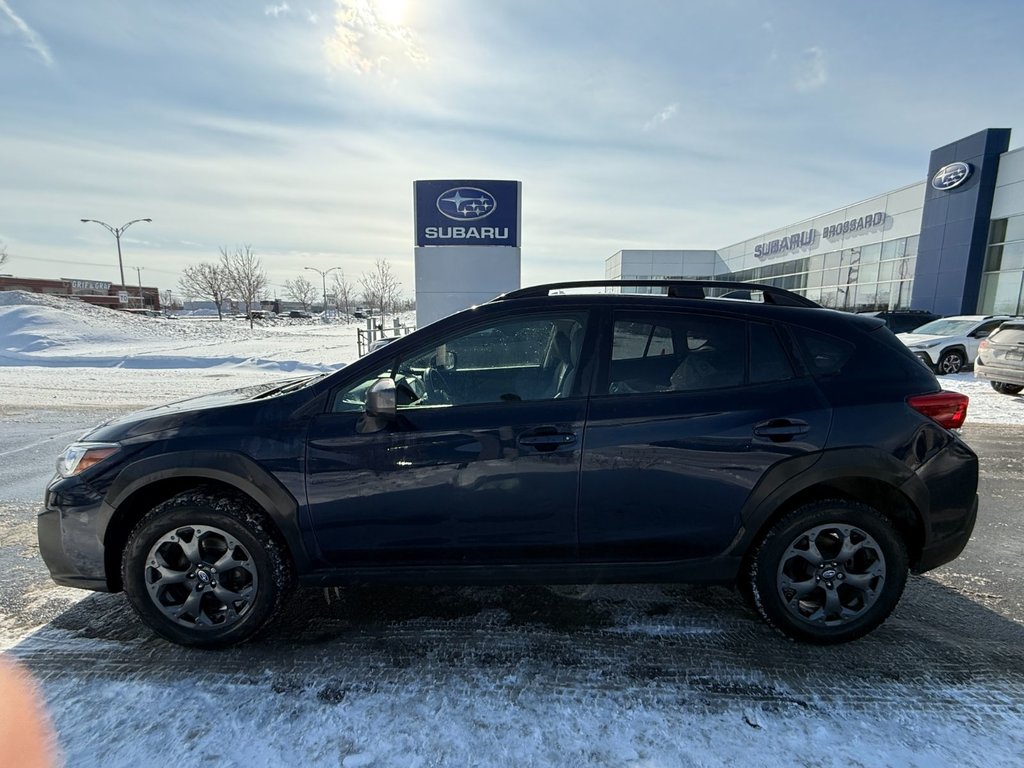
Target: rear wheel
<point x="951" y="361"/>
<point x="203" y="569"/>
<point x="1007" y="389"/>
<point x="828" y="572"/>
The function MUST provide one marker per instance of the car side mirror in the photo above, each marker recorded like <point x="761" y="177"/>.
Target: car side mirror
<point x="381" y="406"/>
<point x="381" y="399"/>
<point x="981" y="334"/>
<point x="451" y="360"/>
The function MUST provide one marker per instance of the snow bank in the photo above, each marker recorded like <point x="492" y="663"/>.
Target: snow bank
<point x="53" y="332"/>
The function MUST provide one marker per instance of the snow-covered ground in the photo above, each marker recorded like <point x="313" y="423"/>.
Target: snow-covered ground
<point x="631" y="676"/>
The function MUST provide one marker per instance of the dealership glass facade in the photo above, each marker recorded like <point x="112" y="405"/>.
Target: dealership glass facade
<point x="1004" y="268"/>
<point x="874" y="276"/>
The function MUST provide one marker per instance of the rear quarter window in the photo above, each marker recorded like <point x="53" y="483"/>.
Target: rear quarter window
<point x="823" y="354"/>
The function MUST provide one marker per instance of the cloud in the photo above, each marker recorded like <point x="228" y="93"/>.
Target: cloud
<point x="769" y="29"/>
<point x="812" y="72"/>
<point x="312" y="18"/>
<point x="662" y="117"/>
<point x="365" y="42"/>
<point x="32" y="38"/>
<point x="277" y="10"/>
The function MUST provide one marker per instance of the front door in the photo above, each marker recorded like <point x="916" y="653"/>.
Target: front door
<point x="482" y="463"/>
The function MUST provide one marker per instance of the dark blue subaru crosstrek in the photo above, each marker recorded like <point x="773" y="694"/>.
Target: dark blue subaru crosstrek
<point x="800" y="453"/>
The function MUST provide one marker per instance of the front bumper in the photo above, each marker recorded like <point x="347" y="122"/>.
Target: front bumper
<point x="926" y="358"/>
<point x="71" y="530"/>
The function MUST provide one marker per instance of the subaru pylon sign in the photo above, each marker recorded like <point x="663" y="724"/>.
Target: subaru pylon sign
<point x="469" y="213"/>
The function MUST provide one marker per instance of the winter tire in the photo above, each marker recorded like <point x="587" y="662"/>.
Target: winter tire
<point x="828" y="572"/>
<point x="1007" y="389"/>
<point x="203" y="569"/>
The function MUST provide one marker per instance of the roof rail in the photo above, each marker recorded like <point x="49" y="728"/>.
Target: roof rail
<point x="680" y="289"/>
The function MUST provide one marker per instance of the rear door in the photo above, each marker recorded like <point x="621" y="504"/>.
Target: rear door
<point x="670" y="458"/>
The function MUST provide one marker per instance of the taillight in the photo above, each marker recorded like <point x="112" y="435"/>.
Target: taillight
<point x="983" y="346"/>
<point x="947" y="408"/>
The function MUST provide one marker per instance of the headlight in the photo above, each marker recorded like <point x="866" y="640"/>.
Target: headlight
<point x="78" y="457"/>
<point x="926" y="344"/>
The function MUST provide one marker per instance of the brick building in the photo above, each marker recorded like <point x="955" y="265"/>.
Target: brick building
<point x="96" y="292"/>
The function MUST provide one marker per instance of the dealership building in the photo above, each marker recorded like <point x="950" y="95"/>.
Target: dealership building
<point x="951" y="244"/>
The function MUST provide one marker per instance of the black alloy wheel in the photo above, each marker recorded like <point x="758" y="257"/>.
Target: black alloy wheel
<point x="203" y="569"/>
<point x="828" y="572"/>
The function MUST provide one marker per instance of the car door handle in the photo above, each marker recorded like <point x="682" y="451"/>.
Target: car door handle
<point x="547" y="441"/>
<point x="781" y="430"/>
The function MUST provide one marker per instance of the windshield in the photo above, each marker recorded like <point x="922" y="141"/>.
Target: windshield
<point x="947" y="327"/>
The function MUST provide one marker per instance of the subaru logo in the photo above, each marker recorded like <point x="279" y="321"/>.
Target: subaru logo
<point x="466" y="203"/>
<point x="950" y="176"/>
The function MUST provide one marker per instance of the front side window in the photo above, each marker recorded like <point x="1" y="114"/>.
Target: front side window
<point x="524" y="359"/>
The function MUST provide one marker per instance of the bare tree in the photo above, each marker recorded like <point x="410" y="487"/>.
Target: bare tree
<point x="206" y="281"/>
<point x="3" y="254"/>
<point x="343" y="292"/>
<point x="245" y="276"/>
<point x="302" y="290"/>
<point x="381" y="288"/>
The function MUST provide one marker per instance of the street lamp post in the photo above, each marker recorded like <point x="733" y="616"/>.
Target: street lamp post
<point x="116" y="232"/>
<point x="323" y="276"/>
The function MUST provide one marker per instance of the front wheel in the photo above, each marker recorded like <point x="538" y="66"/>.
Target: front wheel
<point x="203" y="569"/>
<point x="951" y="361"/>
<point x="1007" y="389"/>
<point x="828" y="572"/>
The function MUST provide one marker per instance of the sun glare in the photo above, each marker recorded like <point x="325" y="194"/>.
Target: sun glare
<point x="391" y="12"/>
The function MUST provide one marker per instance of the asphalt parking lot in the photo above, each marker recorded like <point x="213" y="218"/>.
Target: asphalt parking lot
<point x="953" y="648"/>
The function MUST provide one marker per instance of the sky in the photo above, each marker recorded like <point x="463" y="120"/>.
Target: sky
<point x="298" y="127"/>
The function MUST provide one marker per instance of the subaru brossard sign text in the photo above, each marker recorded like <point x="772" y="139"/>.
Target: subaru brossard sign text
<point x="467" y="212"/>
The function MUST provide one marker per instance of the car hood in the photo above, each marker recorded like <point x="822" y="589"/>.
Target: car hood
<point x="919" y="338"/>
<point x="159" y="417"/>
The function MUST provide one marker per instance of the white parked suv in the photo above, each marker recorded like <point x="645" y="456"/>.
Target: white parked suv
<point x="950" y="344"/>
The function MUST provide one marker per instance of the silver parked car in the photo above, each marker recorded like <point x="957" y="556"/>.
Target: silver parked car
<point x="1001" y="358"/>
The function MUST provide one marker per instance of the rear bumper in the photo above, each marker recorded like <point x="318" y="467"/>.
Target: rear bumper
<point x="951" y="480"/>
<point x="950" y="545"/>
<point x="1001" y="373"/>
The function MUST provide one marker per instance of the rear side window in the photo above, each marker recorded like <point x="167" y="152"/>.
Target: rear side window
<point x="675" y="352"/>
<point x="634" y="340"/>
<point x="823" y="354"/>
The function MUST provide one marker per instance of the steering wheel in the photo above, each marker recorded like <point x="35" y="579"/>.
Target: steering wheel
<point x="438" y="390"/>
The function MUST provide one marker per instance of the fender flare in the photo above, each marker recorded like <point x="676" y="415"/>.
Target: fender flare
<point x="789" y="479"/>
<point x="229" y="467"/>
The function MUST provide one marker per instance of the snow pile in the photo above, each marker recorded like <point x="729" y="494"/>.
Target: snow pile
<point x="48" y="331"/>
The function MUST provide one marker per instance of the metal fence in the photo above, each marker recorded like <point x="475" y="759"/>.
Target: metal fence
<point x="375" y="331"/>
